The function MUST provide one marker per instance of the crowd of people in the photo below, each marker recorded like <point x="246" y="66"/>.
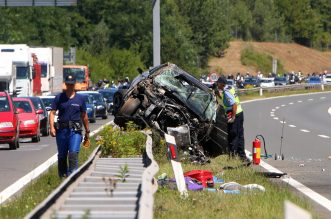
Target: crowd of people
<point x="105" y="83"/>
<point x="293" y="77"/>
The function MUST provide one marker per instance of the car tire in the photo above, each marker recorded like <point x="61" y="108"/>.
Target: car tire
<point x="36" y="138"/>
<point x="92" y="120"/>
<point x="129" y="107"/>
<point x="15" y="144"/>
<point x="105" y="117"/>
<point x="46" y="131"/>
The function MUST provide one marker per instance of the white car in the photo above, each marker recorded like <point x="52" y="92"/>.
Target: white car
<point x="327" y="79"/>
<point x="267" y="82"/>
<point x="47" y="100"/>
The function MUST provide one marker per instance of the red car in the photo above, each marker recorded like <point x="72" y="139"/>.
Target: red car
<point x="29" y="118"/>
<point x="9" y="122"/>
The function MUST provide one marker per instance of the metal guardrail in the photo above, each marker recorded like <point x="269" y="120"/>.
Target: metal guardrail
<point x="85" y="191"/>
<point x="283" y="88"/>
<point x="50" y="200"/>
<point x="149" y="185"/>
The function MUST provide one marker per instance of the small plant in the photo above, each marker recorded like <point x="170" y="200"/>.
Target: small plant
<point x="123" y="173"/>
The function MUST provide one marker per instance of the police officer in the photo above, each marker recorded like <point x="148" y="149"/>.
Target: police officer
<point x="235" y="118"/>
<point x="71" y="114"/>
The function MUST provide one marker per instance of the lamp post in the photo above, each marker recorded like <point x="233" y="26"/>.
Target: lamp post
<point x="156" y="33"/>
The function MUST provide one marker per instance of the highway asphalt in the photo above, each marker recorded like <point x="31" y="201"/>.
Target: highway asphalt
<point x="14" y="164"/>
<point x="306" y="144"/>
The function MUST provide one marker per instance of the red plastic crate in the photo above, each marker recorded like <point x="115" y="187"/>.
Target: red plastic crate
<point x="204" y="176"/>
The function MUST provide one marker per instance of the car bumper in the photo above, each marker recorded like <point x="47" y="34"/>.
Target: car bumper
<point x="101" y="112"/>
<point x="28" y="131"/>
<point x="7" y="135"/>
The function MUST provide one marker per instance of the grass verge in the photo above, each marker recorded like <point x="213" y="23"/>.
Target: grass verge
<point x="34" y="193"/>
<point x="205" y="204"/>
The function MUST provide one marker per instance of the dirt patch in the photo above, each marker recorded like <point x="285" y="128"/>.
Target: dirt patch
<point x="294" y="57"/>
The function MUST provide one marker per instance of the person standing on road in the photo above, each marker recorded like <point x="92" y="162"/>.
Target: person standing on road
<point x="235" y="118"/>
<point x="71" y="114"/>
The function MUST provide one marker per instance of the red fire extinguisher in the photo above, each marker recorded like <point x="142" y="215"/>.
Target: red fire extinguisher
<point x="256" y="151"/>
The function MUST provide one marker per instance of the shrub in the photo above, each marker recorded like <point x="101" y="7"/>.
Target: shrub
<point x="116" y="142"/>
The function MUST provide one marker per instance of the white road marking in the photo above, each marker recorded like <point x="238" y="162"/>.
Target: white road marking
<point x="323" y="136"/>
<point x="283" y="105"/>
<point x="291" y="103"/>
<point x="326" y="203"/>
<point x="283" y="122"/>
<point x="323" y="98"/>
<point x="321" y="200"/>
<point x="304" y="130"/>
<point x="272" y="115"/>
<point x="273" y="110"/>
<point x="277" y="107"/>
<point x="310" y="99"/>
<point x="299" y="101"/>
<point x="292" y="126"/>
<point x="276" y="118"/>
<point x="329" y="110"/>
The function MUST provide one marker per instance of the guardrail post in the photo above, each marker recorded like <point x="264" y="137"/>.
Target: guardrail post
<point x="261" y="91"/>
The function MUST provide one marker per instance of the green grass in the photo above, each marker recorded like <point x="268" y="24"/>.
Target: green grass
<point x="204" y="204"/>
<point x="38" y="190"/>
<point x="260" y="61"/>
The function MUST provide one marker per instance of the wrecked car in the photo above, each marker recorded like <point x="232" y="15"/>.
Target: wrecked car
<point x="173" y="101"/>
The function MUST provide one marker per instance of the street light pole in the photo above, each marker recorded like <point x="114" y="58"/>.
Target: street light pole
<point x="156" y="33"/>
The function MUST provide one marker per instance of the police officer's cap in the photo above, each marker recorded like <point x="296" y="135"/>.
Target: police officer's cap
<point x="222" y="80"/>
<point x="70" y="79"/>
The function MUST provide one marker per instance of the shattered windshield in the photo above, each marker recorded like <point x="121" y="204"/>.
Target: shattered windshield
<point x="199" y="101"/>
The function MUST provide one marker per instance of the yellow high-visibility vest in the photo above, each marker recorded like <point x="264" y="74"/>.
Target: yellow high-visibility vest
<point x="224" y="103"/>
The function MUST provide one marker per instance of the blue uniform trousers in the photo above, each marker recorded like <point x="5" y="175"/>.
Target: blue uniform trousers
<point x="68" y="141"/>
<point x="236" y="136"/>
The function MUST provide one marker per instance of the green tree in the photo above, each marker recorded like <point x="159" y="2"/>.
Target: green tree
<point x="208" y="24"/>
<point x="241" y="21"/>
<point x="176" y="38"/>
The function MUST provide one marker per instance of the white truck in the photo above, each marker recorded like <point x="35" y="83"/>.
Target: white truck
<point x="7" y="75"/>
<point x="20" y="57"/>
<point x="51" y="61"/>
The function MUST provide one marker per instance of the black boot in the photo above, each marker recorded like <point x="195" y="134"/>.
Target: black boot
<point x="62" y="167"/>
<point x="73" y="162"/>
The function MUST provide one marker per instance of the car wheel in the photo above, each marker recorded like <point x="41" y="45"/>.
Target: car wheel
<point x="36" y="138"/>
<point x="117" y="102"/>
<point x="130" y="107"/>
<point x="15" y="144"/>
<point x="92" y="120"/>
<point x="46" y="131"/>
<point x="105" y="117"/>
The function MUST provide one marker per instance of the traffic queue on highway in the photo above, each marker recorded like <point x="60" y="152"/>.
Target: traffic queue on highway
<point x="28" y="116"/>
<point x="242" y="81"/>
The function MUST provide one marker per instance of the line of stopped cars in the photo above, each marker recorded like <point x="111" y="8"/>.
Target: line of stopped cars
<point x="172" y="101"/>
<point x="28" y="117"/>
